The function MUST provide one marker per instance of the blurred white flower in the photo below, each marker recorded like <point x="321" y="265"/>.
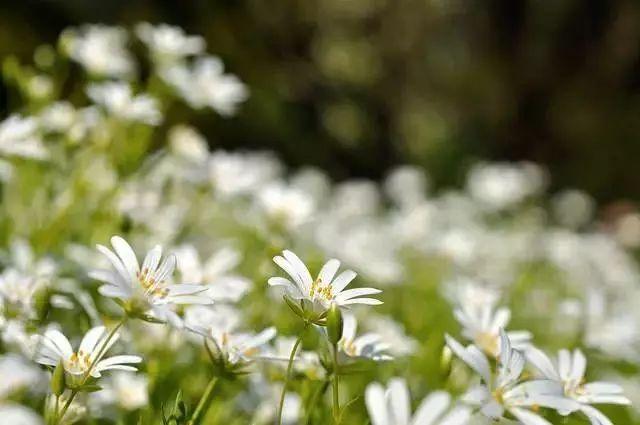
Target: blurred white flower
<point x="569" y="373"/>
<point x="19" y="137"/>
<point x="100" y="49"/>
<point x="204" y="84"/>
<point x="233" y="174"/>
<point x="118" y="100"/>
<point x="215" y="273"/>
<point x="392" y="406"/>
<point x="17" y="374"/>
<point x="326" y="288"/>
<point x="501" y="185"/>
<point x="482" y="324"/>
<point x="15" y="414"/>
<point x="127" y="390"/>
<point x="504" y="390"/>
<point x="145" y="288"/>
<point x="285" y="204"/>
<point x="406" y="186"/>
<point x="393" y="334"/>
<point x="188" y="143"/>
<point x="366" y="346"/>
<point x="54" y="348"/>
<point x="219" y="324"/>
<point x="167" y="43"/>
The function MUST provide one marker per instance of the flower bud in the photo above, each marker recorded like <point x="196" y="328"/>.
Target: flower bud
<point x="42" y="302"/>
<point x="334" y="323"/>
<point x="445" y="361"/>
<point x="57" y="380"/>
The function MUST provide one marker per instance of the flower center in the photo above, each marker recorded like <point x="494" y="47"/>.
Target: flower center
<point x="321" y="291"/>
<point x="488" y="342"/>
<point x="78" y="362"/>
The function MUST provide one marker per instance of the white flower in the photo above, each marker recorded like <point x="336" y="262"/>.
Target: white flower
<point x="168" y="43"/>
<point x="17" y="374"/>
<point x="481" y="324"/>
<point x="206" y="85"/>
<point x="241" y="173"/>
<point x="147" y="285"/>
<point x="220" y="324"/>
<point x="215" y="273"/>
<point x="392" y="406"/>
<point x="19" y="137"/>
<point x="100" y="49"/>
<point x="55" y="348"/>
<point x="502" y="185"/>
<point x="285" y="204"/>
<point x="15" y="414"/>
<point x="368" y="345"/>
<point x="126" y="390"/>
<point x="393" y="333"/>
<point x="118" y="100"/>
<point x="326" y="288"/>
<point x="569" y="373"/>
<point x="504" y="390"/>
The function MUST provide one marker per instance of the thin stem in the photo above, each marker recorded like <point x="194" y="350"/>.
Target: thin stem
<point x="87" y="374"/>
<point x="204" y="401"/>
<point x="288" y="376"/>
<point x="336" y="396"/>
<point x="314" y="399"/>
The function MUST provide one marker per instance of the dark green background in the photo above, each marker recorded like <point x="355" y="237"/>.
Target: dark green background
<point x="356" y="86"/>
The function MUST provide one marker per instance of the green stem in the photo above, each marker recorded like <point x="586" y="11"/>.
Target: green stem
<point x="87" y="374"/>
<point x="204" y="402"/>
<point x="336" y="396"/>
<point x="288" y="376"/>
<point x="314" y="400"/>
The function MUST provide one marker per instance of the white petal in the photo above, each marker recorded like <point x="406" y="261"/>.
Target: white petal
<point x="527" y="417"/>
<point x="126" y="254"/>
<point x="457" y="416"/>
<point x="328" y="271"/>
<point x="91" y="338"/>
<point x="357" y="292"/>
<point x="431" y="408"/>
<point x="366" y="301"/>
<point x="579" y="365"/>
<point x="60" y="342"/>
<point x="399" y="401"/>
<point x="343" y="280"/>
<point x="542" y="362"/>
<point x="300" y="268"/>
<point x="376" y="404"/>
<point x="152" y="259"/>
<point x="115" y="262"/>
<point x="291" y="271"/>
<point x="166" y="268"/>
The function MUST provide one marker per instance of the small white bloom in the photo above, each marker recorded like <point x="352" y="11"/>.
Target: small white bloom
<point x="215" y="273"/>
<point x="285" y="204"/>
<point x="392" y="406"/>
<point x="206" y="85"/>
<point x="168" y="43"/>
<point x="504" y="390"/>
<point x="220" y="324"/>
<point x="147" y="285"/>
<point x="16" y="414"/>
<point x="569" y="373"/>
<point x="481" y="323"/>
<point x="118" y="100"/>
<point x="19" y="137"/>
<point x="233" y="174"/>
<point x="126" y="390"/>
<point x="326" y="289"/>
<point x="100" y="49"/>
<point x="55" y="348"/>
<point x="367" y="346"/>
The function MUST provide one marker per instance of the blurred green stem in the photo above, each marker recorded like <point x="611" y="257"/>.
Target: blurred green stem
<point x="204" y="401"/>
<point x="288" y="376"/>
<point x="336" y="395"/>
<point x="314" y="399"/>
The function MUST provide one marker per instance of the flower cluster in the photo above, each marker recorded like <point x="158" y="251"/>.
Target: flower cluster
<point x="227" y="323"/>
